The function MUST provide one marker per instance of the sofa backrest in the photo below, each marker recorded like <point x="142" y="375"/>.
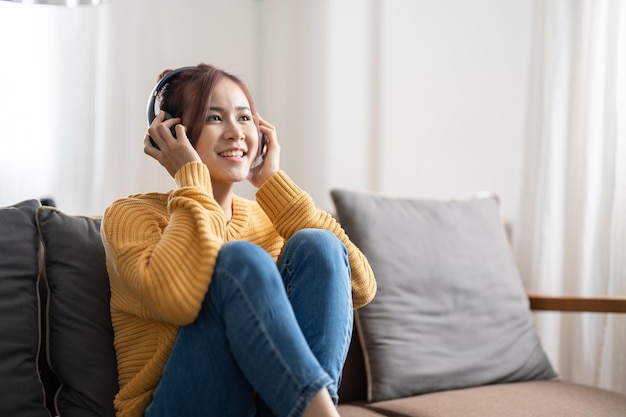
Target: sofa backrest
<point x="21" y="389"/>
<point x="59" y="292"/>
<point x="353" y="380"/>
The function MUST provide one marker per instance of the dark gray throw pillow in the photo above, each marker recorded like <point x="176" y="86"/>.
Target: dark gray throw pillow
<point x="450" y="311"/>
<point x="21" y="390"/>
<point x="80" y="334"/>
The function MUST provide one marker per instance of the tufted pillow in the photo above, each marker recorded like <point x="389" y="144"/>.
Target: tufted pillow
<point x="450" y="311"/>
<point x="80" y="334"/>
<point x="22" y="393"/>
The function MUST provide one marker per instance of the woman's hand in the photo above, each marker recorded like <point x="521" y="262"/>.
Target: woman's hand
<point x="174" y="152"/>
<point x="271" y="160"/>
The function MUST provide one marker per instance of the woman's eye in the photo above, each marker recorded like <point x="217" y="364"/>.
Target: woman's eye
<point x="213" y="118"/>
<point x="245" y="118"/>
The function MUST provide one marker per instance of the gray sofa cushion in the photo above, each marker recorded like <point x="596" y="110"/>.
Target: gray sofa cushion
<point x="80" y="342"/>
<point x="450" y="311"/>
<point x="21" y="390"/>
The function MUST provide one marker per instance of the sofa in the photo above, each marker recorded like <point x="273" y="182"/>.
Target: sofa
<point x="409" y="354"/>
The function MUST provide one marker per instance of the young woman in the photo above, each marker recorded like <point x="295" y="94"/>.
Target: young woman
<point x="223" y="306"/>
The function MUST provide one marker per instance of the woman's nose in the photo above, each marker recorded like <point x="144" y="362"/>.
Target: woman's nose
<point x="234" y="131"/>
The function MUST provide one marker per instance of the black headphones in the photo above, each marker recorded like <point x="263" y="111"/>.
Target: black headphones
<point x="153" y="102"/>
<point x="154" y="108"/>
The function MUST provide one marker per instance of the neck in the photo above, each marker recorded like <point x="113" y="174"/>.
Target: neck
<point x="224" y="197"/>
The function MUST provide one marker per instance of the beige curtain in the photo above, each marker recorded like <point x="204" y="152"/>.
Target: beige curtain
<point x="572" y="234"/>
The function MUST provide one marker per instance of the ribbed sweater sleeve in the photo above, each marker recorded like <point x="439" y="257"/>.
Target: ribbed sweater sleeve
<point x="291" y="209"/>
<point x="165" y="271"/>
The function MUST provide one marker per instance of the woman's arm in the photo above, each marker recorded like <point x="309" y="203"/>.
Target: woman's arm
<point x="291" y="209"/>
<point x="161" y="254"/>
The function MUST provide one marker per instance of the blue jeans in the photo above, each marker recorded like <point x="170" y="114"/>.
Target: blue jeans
<point x="267" y="339"/>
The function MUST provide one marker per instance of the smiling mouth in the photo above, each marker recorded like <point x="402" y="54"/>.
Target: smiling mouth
<point x="232" y="154"/>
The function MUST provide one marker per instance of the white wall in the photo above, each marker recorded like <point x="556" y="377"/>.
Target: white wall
<point x="453" y="88"/>
<point x="403" y="97"/>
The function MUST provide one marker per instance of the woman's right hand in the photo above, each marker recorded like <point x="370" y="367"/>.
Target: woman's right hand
<point x="271" y="160"/>
<point x="173" y="152"/>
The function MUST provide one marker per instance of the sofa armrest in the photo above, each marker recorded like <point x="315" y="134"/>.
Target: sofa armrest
<point x="577" y="303"/>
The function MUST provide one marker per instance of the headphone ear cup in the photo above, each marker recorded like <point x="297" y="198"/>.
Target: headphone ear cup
<point x="263" y="143"/>
<point x="173" y="128"/>
<point x="154" y="143"/>
<point x="151" y="110"/>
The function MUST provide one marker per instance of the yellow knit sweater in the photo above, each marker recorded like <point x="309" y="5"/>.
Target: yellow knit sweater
<point x="161" y="250"/>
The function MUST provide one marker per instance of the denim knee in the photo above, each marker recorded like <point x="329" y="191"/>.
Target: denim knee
<point x="239" y="251"/>
<point x="247" y="264"/>
<point x="319" y="249"/>
<point x="320" y="239"/>
<point x="238" y="254"/>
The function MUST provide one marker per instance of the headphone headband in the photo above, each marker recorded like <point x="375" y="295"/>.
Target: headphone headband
<point x="163" y="82"/>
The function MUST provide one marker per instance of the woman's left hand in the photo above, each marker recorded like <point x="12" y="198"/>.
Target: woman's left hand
<point x="271" y="160"/>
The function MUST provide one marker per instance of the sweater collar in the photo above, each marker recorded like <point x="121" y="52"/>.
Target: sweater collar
<point x="239" y="220"/>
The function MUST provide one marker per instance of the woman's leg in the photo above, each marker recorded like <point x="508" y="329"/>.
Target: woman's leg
<point x="315" y="269"/>
<point x="314" y="266"/>
<point x="245" y="338"/>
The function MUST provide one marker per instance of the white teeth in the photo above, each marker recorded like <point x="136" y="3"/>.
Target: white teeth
<point x="230" y="154"/>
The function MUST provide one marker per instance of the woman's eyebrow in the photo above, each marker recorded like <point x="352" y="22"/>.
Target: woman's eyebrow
<point x="221" y="109"/>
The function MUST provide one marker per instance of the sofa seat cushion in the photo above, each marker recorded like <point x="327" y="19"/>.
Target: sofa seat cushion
<point x="520" y="399"/>
<point x="357" y="410"/>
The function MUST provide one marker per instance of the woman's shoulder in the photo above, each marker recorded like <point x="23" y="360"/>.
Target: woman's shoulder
<point x="144" y="199"/>
<point x="134" y="205"/>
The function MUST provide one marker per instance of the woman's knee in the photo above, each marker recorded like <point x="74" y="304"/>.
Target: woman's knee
<point x="240" y="252"/>
<point x="319" y="240"/>
<point x="244" y="264"/>
<point x="316" y="252"/>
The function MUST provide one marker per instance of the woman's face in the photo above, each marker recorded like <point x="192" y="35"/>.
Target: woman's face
<point x="229" y="139"/>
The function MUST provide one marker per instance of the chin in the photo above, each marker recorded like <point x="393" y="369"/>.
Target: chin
<point x="239" y="176"/>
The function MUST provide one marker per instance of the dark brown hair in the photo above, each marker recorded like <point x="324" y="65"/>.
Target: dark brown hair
<point x="188" y="96"/>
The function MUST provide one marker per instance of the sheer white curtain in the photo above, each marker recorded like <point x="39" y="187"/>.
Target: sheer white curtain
<point x="64" y="131"/>
<point x="572" y="234"/>
<point x="74" y="83"/>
